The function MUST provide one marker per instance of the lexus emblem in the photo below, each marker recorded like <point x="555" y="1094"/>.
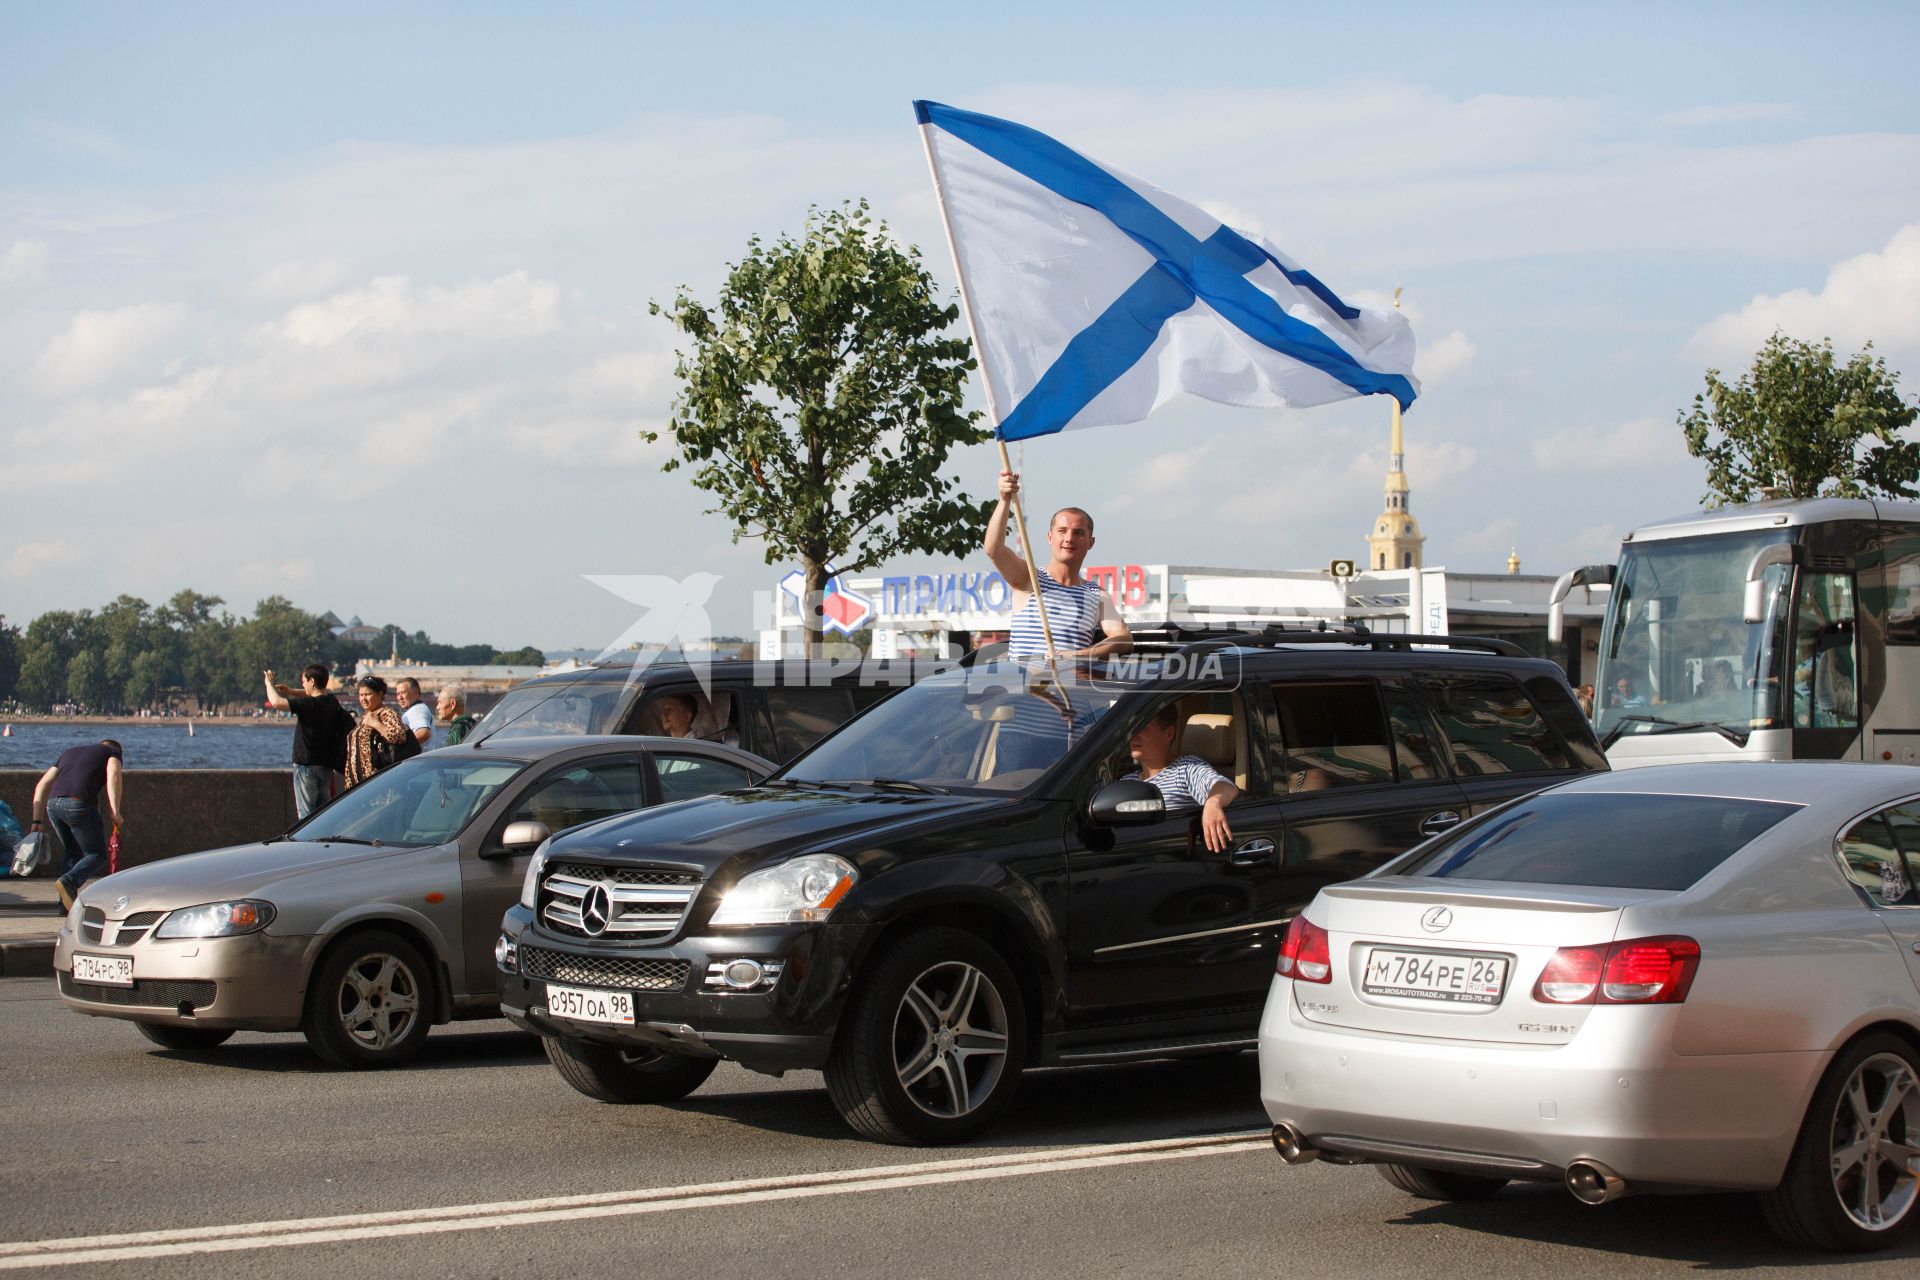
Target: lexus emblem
<point x="596" y="909"/>
<point x="1436" y="920"/>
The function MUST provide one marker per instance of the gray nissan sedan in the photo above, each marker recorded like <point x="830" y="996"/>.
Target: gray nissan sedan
<point x="375" y="917"/>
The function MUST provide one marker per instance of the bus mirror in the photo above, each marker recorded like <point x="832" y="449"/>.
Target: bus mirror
<point x="1753" y="606"/>
<point x="1592" y="575"/>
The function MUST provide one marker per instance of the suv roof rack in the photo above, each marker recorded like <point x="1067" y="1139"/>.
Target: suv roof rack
<point x="1186" y="639"/>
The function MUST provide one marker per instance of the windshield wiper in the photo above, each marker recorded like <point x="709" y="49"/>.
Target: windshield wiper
<point x="906" y="784"/>
<point x="342" y="840"/>
<point x="1734" y="736"/>
<point x="807" y="784"/>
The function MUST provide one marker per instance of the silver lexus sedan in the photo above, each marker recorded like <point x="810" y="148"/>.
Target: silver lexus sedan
<point x="374" y="918"/>
<point x="1678" y="978"/>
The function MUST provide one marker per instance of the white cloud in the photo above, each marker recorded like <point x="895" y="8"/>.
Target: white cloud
<point x="298" y="278"/>
<point x="1642" y="444"/>
<point x="28" y="559"/>
<point x="103" y="346"/>
<point x="23" y="261"/>
<point x="1730" y="113"/>
<point x="1440" y="360"/>
<point x="1496" y="537"/>
<point x="1872" y="297"/>
<point x="512" y="305"/>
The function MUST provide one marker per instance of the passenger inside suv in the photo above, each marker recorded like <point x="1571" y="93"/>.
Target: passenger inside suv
<point x="1188" y="780"/>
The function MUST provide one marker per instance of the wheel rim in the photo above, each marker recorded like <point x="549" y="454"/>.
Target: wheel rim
<point x="1876" y="1142"/>
<point x="379" y="1001"/>
<point x="950" y="1040"/>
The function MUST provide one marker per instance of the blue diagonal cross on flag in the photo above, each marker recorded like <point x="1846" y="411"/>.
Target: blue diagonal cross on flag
<point x="1096" y="297"/>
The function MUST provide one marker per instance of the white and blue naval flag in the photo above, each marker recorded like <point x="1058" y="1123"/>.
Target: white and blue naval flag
<point x="1097" y="298"/>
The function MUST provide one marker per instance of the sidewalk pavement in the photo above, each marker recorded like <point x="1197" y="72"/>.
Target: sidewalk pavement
<point x="29" y="919"/>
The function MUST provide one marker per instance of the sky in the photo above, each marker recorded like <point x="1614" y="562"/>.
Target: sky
<point x="348" y="303"/>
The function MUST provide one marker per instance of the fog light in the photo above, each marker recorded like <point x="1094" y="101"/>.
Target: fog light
<point x="506" y="955"/>
<point x="743" y="975"/>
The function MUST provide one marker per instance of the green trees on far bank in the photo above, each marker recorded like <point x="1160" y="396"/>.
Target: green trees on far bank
<point x="129" y="655"/>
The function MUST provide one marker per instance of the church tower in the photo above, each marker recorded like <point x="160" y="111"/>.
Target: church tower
<point x="1396" y="539"/>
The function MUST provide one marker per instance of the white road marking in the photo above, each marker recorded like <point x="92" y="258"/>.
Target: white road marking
<point x="187" y="1241"/>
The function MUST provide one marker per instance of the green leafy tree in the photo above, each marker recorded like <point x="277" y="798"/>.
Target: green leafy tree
<point x="1799" y="424"/>
<point x="820" y="399"/>
<point x="147" y="681"/>
<point x="280" y="637"/>
<point x="9" y="660"/>
<point x="87" y="681"/>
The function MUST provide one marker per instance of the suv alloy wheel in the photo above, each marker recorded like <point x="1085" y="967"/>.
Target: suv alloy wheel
<point x="931" y="1048"/>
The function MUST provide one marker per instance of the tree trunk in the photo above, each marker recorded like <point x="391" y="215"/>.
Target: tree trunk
<point x="810" y="604"/>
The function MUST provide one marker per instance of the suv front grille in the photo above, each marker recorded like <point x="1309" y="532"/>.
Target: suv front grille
<point x="619" y="902"/>
<point x="93" y="927"/>
<point x="604" y="971"/>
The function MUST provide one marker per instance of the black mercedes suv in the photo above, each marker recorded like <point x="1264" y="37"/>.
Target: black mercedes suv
<point x="961" y="881"/>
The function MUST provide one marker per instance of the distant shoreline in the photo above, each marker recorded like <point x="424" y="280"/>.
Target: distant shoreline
<point x="255" y="722"/>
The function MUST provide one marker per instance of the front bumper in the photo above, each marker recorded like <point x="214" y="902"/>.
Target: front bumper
<point x="1617" y="1093"/>
<point x="256" y="982"/>
<point x="787" y="1025"/>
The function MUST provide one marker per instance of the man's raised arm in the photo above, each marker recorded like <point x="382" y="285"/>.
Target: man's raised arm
<point x="1004" y="558"/>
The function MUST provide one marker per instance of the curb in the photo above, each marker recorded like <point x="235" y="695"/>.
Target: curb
<point x="30" y="958"/>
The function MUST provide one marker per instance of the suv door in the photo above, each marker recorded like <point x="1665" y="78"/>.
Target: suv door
<point x="1361" y="778"/>
<point x="1159" y="926"/>
<point x="1497" y="739"/>
<point x="582" y="790"/>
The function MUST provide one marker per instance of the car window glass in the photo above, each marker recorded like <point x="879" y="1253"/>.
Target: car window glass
<point x="582" y="793"/>
<point x="1873" y="860"/>
<point x="1333" y="733"/>
<point x="716" y="715"/>
<point x="423" y="801"/>
<point x="1556" y="703"/>
<point x="1904" y="822"/>
<point x="1211" y="725"/>
<point x="1493" y="727"/>
<point x="541" y="710"/>
<point x="802" y="716"/>
<point x="1618" y="841"/>
<point x="1416" y="754"/>
<point x="683" y="777"/>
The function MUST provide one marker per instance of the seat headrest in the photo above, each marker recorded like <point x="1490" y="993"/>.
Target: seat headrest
<point x="1210" y="735"/>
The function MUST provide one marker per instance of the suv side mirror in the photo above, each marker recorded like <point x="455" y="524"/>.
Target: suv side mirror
<point x="523" y="836"/>
<point x="1128" y="802"/>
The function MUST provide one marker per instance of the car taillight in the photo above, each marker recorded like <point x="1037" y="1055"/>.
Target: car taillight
<point x="1637" y="971"/>
<point x="1305" y="955"/>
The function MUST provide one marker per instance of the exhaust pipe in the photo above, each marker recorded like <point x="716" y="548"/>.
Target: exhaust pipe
<point x="1293" y="1146"/>
<point x="1591" y="1182"/>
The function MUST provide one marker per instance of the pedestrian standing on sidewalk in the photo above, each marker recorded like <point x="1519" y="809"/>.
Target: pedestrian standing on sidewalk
<point x="68" y="795"/>
<point x="414" y="712"/>
<point x="321" y="726"/>
<point x="379" y="740"/>
<point x="451" y="706"/>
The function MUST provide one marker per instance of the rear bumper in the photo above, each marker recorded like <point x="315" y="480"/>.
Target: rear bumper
<point x="1617" y="1094"/>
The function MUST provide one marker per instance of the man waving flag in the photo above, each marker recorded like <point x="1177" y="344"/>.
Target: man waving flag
<point x="1095" y="297"/>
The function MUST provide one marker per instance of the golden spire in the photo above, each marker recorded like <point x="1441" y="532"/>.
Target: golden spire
<point x="1513" y="559"/>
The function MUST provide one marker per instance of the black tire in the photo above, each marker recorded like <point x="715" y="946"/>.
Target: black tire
<point x="1818" y="1207"/>
<point x="185" y="1039"/>
<point x="1440" y="1184"/>
<point x="371" y="1001"/>
<point x="611" y="1074"/>
<point x="917" y="1002"/>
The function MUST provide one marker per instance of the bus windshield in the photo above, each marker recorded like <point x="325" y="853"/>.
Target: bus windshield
<point x="1676" y="651"/>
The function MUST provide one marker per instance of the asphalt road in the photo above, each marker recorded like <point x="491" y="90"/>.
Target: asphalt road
<point x="1135" y="1171"/>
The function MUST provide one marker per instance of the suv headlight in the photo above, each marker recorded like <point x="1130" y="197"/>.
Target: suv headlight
<point x="217" y="920"/>
<point x="798" y="892"/>
<point x="535" y="865"/>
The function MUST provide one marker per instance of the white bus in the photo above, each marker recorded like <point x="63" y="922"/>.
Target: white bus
<point x="1777" y="630"/>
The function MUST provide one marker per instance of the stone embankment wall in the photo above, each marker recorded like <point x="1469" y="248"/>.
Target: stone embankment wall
<point x="175" y="811"/>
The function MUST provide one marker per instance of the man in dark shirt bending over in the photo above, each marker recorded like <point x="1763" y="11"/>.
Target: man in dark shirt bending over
<point x="319" y="736"/>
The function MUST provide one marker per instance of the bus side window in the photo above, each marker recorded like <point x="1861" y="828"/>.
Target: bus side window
<point x="1823" y="657"/>
<point x="1892" y="588"/>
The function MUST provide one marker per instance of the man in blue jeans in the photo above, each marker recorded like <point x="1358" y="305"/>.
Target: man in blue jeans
<point x="69" y="795"/>
<point x="319" y="736"/>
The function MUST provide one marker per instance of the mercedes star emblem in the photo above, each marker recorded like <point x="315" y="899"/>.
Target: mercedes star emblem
<point x="596" y="909"/>
<point x="120" y="903"/>
<point x="1436" y="919"/>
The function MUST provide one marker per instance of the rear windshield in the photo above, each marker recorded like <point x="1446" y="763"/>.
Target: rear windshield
<point x="1617" y="841"/>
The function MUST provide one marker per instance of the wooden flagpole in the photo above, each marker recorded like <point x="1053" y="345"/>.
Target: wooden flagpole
<point x="993" y="401"/>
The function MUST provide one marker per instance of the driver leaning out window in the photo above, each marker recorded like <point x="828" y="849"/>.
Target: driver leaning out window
<point x="1187" y="782"/>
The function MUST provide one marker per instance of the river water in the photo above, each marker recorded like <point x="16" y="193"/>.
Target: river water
<point x="164" y="744"/>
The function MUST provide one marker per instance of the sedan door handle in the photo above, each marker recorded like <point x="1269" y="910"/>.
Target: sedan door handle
<point x="1438" y="822"/>
<point x="1259" y="849"/>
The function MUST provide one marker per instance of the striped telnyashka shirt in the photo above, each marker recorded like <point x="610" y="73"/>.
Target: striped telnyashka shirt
<point x="1185" y="782"/>
<point x="1073" y="612"/>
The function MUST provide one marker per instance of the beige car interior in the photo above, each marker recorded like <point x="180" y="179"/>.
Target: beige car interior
<point x="713" y="717"/>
